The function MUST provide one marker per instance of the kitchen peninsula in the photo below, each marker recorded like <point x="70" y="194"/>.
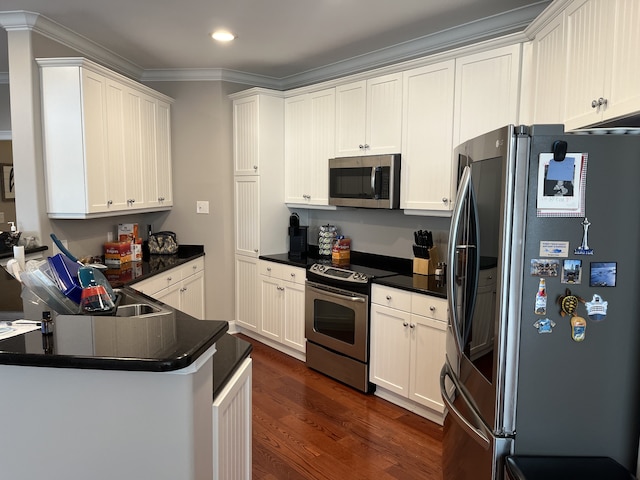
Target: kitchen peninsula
<point x="106" y="397"/>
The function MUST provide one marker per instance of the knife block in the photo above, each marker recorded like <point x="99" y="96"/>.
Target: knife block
<point x="426" y="266"/>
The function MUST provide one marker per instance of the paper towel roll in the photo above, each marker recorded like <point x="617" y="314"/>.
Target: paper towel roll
<point x="18" y="254"/>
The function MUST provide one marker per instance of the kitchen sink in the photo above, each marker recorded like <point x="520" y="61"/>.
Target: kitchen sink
<point x="131" y="305"/>
<point x="137" y="310"/>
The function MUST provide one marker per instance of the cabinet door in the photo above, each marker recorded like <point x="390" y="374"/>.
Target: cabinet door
<point x="547" y="97"/>
<point x="245" y="136"/>
<point x="170" y="295"/>
<point x="148" y="126"/>
<point x="384" y="115"/>
<point x="623" y="92"/>
<point x="390" y="349"/>
<point x="247" y="292"/>
<point x="136" y="171"/>
<point x="163" y="154"/>
<point x="322" y="146"/>
<point x="297" y="149"/>
<point x="247" y="215"/>
<point x="192" y="295"/>
<point x="486" y="92"/>
<point x="427" y="358"/>
<point x="350" y="119"/>
<point x="272" y="295"/>
<point x="95" y="142"/>
<point x="293" y="329"/>
<point x="587" y="50"/>
<point x="232" y="427"/>
<point x="117" y="167"/>
<point x="428" y="170"/>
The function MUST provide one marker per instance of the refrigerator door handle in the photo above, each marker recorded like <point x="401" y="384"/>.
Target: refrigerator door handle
<point x="463" y="190"/>
<point x="477" y="432"/>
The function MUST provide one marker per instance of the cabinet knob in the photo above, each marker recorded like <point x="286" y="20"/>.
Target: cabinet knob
<point x="432" y="308"/>
<point x="388" y="298"/>
<point x="169" y="279"/>
<point x="405" y="324"/>
<point x="361" y="147"/>
<point x="445" y="200"/>
<point x="255" y="250"/>
<point x="268" y="269"/>
<point x="255" y="168"/>
<point x="161" y="199"/>
<point x="413" y="325"/>
<point x="293" y="275"/>
<point x="194" y="267"/>
<point x="280" y="288"/>
<point x="109" y="203"/>
<point x="366" y="146"/>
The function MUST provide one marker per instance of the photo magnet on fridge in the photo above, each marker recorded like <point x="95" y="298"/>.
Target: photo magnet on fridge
<point x="603" y="274"/>
<point x="545" y="267"/>
<point x="571" y="272"/>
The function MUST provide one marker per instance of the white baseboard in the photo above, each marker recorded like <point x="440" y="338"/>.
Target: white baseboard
<point x="407" y="404"/>
<point x="234" y="328"/>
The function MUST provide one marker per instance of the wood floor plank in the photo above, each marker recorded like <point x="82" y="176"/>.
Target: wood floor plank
<point x="307" y="426"/>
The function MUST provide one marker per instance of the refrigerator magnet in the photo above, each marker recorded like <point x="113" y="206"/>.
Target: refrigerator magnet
<point x="568" y="303"/>
<point x="561" y="185"/>
<point x="603" y="274"/>
<point x="571" y="272"/>
<point x="544" y="325"/>
<point x="584" y="249"/>
<point x="597" y="308"/>
<point x="578" y="328"/>
<point x="545" y="267"/>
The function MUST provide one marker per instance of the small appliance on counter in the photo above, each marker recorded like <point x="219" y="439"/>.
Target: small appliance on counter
<point x="297" y="238"/>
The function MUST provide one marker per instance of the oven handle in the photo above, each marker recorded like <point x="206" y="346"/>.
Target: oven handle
<point x="336" y="292"/>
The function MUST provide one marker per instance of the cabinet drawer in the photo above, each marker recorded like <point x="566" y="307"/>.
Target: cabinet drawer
<point x="429" y="306"/>
<point x="293" y="274"/>
<point x="487" y="277"/>
<point x="192" y="267"/>
<point x="269" y="269"/>
<point x="158" y="282"/>
<point x="391" y="297"/>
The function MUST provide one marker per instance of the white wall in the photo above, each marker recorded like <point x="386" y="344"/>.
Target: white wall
<point x="5" y="112"/>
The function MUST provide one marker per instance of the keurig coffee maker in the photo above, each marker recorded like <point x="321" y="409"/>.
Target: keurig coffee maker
<point x="297" y="238"/>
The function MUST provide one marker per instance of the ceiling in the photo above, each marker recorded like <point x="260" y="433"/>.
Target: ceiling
<point x="277" y="39"/>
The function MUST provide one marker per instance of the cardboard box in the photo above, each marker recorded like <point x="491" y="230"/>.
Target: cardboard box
<point x="127" y="232"/>
<point x="116" y="253"/>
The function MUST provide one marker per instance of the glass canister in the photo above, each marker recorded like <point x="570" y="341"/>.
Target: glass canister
<point x="326" y="237"/>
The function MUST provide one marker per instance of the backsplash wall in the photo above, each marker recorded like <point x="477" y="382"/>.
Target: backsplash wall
<point x="382" y="232"/>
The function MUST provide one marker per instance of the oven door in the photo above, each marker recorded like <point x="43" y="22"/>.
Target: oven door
<point x="337" y="319"/>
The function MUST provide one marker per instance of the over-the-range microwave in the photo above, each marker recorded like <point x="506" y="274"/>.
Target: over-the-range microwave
<point x="371" y="181"/>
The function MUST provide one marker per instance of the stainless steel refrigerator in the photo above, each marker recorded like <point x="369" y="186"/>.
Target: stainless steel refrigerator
<point x="536" y="203"/>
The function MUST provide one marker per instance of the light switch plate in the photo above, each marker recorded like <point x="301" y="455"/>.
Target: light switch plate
<point x="202" y="206"/>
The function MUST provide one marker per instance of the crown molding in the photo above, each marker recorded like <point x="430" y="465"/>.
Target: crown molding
<point x="504" y="24"/>
<point x="22" y="20"/>
<point x="552" y="11"/>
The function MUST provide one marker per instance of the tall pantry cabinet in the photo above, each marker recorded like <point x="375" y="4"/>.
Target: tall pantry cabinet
<point x="260" y="216"/>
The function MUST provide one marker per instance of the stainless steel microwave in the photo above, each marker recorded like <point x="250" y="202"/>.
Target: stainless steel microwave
<point x="371" y="181"/>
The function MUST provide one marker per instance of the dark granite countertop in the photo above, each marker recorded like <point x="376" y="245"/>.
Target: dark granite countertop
<point x="404" y="280"/>
<point x="425" y="284"/>
<point x="230" y="353"/>
<point x="132" y="272"/>
<point x="9" y="252"/>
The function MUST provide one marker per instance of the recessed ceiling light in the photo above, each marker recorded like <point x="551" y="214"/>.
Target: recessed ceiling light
<point x="223" y="36"/>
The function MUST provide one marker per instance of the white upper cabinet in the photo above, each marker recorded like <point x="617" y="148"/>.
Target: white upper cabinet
<point x="99" y="140"/>
<point x="369" y="116"/>
<point x="549" y="70"/>
<point x="427" y="171"/>
<point x="603" y="61"/>
<point x="487" y="92"/>
<point x="309" y="143"/>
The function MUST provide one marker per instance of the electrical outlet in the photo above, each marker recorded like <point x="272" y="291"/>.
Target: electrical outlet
<point x="202" y="206"/>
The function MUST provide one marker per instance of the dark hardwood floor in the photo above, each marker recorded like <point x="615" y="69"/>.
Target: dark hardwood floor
<point x="308" y="426"/>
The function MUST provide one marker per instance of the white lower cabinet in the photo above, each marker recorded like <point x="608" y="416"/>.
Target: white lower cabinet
<point x="232" y="427"/>
<point x="408" y="348"/>
<point x="181" y="287"/>
<point x="282" y="302"/>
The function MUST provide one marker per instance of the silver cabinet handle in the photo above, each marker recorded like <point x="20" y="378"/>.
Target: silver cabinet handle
<point x="599" y="102"/>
